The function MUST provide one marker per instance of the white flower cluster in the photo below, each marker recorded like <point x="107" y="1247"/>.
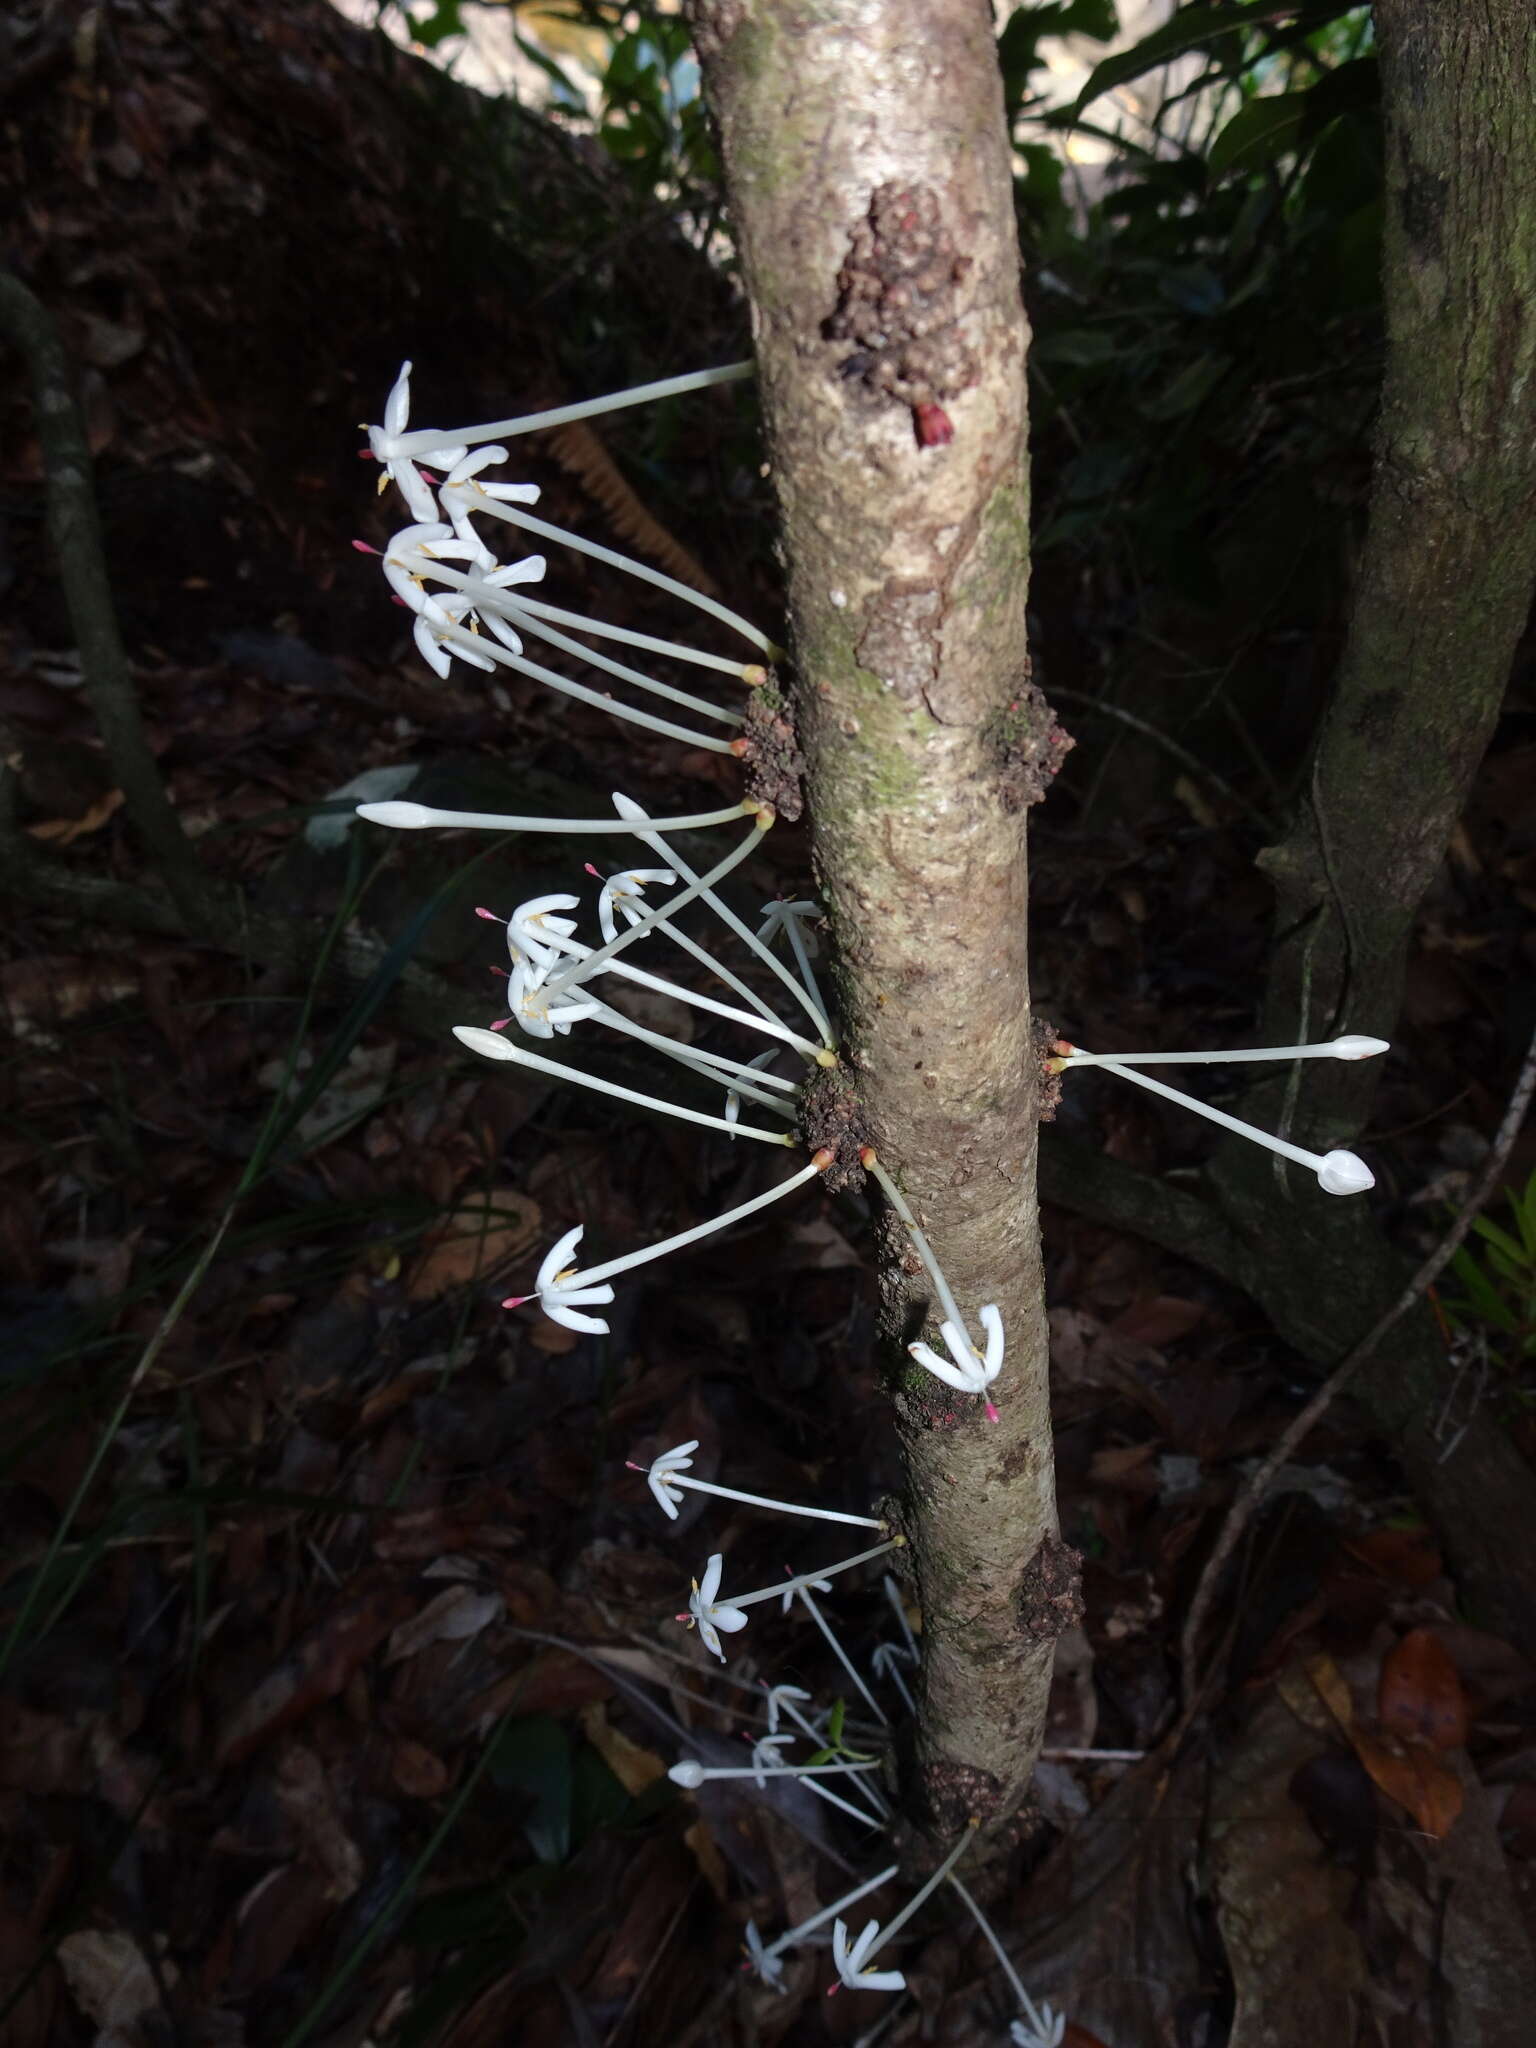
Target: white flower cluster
<point x="470" y="606"/>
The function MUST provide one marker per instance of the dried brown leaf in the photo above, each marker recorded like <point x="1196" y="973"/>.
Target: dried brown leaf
<point x="1420" y="1697"/>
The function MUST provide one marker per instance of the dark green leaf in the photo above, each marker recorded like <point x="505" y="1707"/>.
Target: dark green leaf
<point x="533" y="1758"/>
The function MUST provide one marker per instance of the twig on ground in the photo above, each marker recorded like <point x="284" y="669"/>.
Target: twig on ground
<point x="1242" y="1509"/>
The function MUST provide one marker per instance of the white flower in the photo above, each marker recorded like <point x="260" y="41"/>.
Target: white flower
<point x="467" y="469"/>
<point x="560" y="1301"/>
<point x="384" y="441"/>
<point x="660" y="1474"/>
<point x="849" y="1960"/>
<point x="542" y="1013"/>
<point x="529" y="927"/>
<point x="710" y="1617"/>
<point x="778" y="1696"/>
<point x="618" y="891"/>
<point x="971" y="1373"/>
<point x="769" y="1967"/>
<point x="1046" y="2030"/>
<point x="777" y="913"/>
<point x="787" y="1598"/>
<point x="765" y="1754"/>
<point x="886" y="1661"/>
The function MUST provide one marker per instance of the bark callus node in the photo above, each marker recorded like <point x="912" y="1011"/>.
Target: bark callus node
<point x="832" y="1115"/>
<point x="771" y="751"/>
<point x="955" y="1791"/>
<point x="1043" y="1036"/>
<point x="1051" y="1591"/>
<point x="899" y="304"/>
<point x="1029" y="744"/>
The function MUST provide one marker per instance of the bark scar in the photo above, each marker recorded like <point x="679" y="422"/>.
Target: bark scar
<point x="899" y="304"/>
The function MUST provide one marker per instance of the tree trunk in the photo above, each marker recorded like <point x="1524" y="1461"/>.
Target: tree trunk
<point x="1447" y="570"/>
<point x="868" y="178"/>
<point x="1444" y="592"/>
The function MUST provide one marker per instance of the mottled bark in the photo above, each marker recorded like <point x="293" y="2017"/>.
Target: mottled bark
<point x="869" y="185"/>
<point x="1448" y="567"/>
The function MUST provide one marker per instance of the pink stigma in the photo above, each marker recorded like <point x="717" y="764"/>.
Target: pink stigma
<point x="631" y="1466"/>
<point x="365" y="548"/>
<point x="489" y="915"/>
<point x="366" y="455"/>
<point x="501" y="1023"/>
<point x="516" y="1300"/>
<point x="992" y="1414"/>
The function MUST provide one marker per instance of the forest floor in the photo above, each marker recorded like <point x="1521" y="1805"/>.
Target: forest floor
<point x="342" y="1676"/>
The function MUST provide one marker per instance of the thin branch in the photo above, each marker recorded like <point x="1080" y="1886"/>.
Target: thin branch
<point x="1241" y="1512"/>
<point x="75" y="532"/>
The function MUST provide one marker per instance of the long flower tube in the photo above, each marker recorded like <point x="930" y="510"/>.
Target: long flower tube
<point x="767" y="1748"/>
<point x="793" y="1934"/>
<point x="488" y="598"/>
<point x="669" y="1471"/>
<point x="692" y="947"/>
<point x="786" y="917"/>
<point x="691" y="1774"/>
<point x="870" y="1162"/>
<point x="1338" y="1173"/>
<point x="561" y="1289"/>
<point x="711" y="1065"/>
<point x="893" y="1594"/>
<point x="1046" y="2025"/>
<point x="886" y="1662"/>
<point x="647" y="834"/>
<point x="450" y="634"/>
<point x="889" y="1932"/>
<point x="744" y="671"/>
<point x="402" y="816"/>
<point x="425" y="440"/>
<point x="842" y="1656"/>
<point x="475" y="500"/>
<point x="494" y="1047"/>
<point x="799" y="1583"/>
<point x="1352" y="1046"/>
<point x="768" y="1024"/>
<point x="640" y="925"/>
<point x="781" y="1700"/>
<point x="594" y="1275"/>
